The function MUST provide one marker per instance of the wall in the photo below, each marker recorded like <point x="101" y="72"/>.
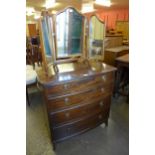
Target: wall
<point x="111" y="16"/>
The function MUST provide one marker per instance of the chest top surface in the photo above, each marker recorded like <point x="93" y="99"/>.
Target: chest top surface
<point x="73" y="71"/>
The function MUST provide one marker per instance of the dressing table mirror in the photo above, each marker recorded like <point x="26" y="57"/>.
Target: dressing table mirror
<point x="69" y="27"/>
<point x="96" y="38"/>
<point x="78" y="92"/>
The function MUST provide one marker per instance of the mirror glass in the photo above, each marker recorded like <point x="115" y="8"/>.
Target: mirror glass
<point x="69" y="33"/>
<point x="96" y="38"/>
<point x="47" y="30"/>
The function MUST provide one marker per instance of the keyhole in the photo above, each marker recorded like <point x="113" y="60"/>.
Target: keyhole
<point x="101" y="103"/>
<point x="67" y="115"/>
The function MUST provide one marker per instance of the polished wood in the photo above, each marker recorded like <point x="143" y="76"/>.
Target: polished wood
<point x="77" y="97"/>
<point x="122" y="74"/>
<point x="77" y="92"/>
<point x="112" y="53"/>
<point x="32" y="30"/>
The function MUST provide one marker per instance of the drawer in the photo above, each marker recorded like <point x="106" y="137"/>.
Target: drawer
<point x="66" y="131"/>
<point x="77" y="86"/>
<point x="66" y="102"/>
<point x="74" y="113"/>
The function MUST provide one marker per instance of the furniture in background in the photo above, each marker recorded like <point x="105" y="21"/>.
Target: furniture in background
<point x="31" y="30"/>
<point x="77" y="90"/>
<point x="122" y="76"/>
<point x="33" y="55"/>
<point x="113" y="40"/>
<point x="112" y="53"/>
<point x="77" y="97"/>
<point x="31" y="80"/>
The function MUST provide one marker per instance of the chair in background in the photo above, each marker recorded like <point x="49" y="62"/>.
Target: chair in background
<point x="33" y="60"/>
<point x="31" y="80"/>
<point x="33" y="55"/>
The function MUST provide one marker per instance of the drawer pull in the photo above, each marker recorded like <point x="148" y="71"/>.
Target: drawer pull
<point x="66" y="100"/>
<point x="67" y="115"/>
<point x="100" y="116"/>
<point x="103" y="78"/>
<point x="102" y="89"/>
<point x="66" y="86"/>
<point x="101" y="103"/>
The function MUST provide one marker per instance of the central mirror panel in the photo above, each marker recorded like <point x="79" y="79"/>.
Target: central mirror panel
<point x="69" y="33"/>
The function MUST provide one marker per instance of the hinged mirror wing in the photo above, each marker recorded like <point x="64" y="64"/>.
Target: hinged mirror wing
<point x="97" y="31"/>
<point x="47" y="40"/>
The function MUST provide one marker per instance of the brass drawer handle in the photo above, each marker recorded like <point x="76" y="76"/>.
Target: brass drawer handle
<point x="103" y="78"/>
<point x="66" y="86"/>
<point x="101" y="103"/>
<point x="67" y="115"/>
<point x="102" y="89"/>
<point x="66" y="100"/>
<point x="100" y="116"/>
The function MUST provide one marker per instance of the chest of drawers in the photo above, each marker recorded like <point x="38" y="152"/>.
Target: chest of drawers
<point x="77" y="101"/>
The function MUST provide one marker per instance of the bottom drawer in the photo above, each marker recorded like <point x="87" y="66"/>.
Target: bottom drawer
<point x="66" y="131"/>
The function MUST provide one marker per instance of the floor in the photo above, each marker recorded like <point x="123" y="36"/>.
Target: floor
<point x="111" y="140"/>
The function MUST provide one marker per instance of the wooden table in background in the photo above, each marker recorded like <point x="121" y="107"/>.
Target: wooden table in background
<point x="112" y="53"/>
<point x="122" y="75"/>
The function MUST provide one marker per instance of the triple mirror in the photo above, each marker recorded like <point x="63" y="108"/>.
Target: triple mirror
<point x="63" y="35"/>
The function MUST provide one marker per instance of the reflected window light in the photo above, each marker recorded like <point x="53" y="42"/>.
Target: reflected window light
<point x="103" y="2"/>
<point x="37" y="16"/>
<point x="87" y="7"/>
<point x="49" y="3"/>
<point x="30" y="11"/>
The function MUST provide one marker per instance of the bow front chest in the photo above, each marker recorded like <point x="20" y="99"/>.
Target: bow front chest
<point x="77" y="98"/>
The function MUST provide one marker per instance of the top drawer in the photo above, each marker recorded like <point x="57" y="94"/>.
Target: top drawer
<point x="78" y="86"/>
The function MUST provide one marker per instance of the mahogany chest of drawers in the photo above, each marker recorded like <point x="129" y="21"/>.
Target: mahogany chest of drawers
<point x="77" y="100"/>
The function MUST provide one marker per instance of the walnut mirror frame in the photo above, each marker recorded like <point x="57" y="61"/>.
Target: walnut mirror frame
<point x="97" y="29"/>
<point x="69" y="34"/>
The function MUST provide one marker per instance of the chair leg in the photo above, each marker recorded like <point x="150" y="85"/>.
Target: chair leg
<point x="27" y="97"/>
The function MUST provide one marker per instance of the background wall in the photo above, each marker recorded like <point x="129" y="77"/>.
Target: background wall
<point x="111" y="16"/>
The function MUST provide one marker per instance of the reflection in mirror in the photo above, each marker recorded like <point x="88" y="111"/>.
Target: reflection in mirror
<point x="47" y="30"/>
<point x="96" y="38"/>
<point x="69" y="33"/>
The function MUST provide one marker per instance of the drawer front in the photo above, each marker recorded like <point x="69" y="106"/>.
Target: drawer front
<point x="66" y="102"/>
<point x="75" y="86"/>
<point x="72" y="114"/>
<point x="67" y="131"/>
